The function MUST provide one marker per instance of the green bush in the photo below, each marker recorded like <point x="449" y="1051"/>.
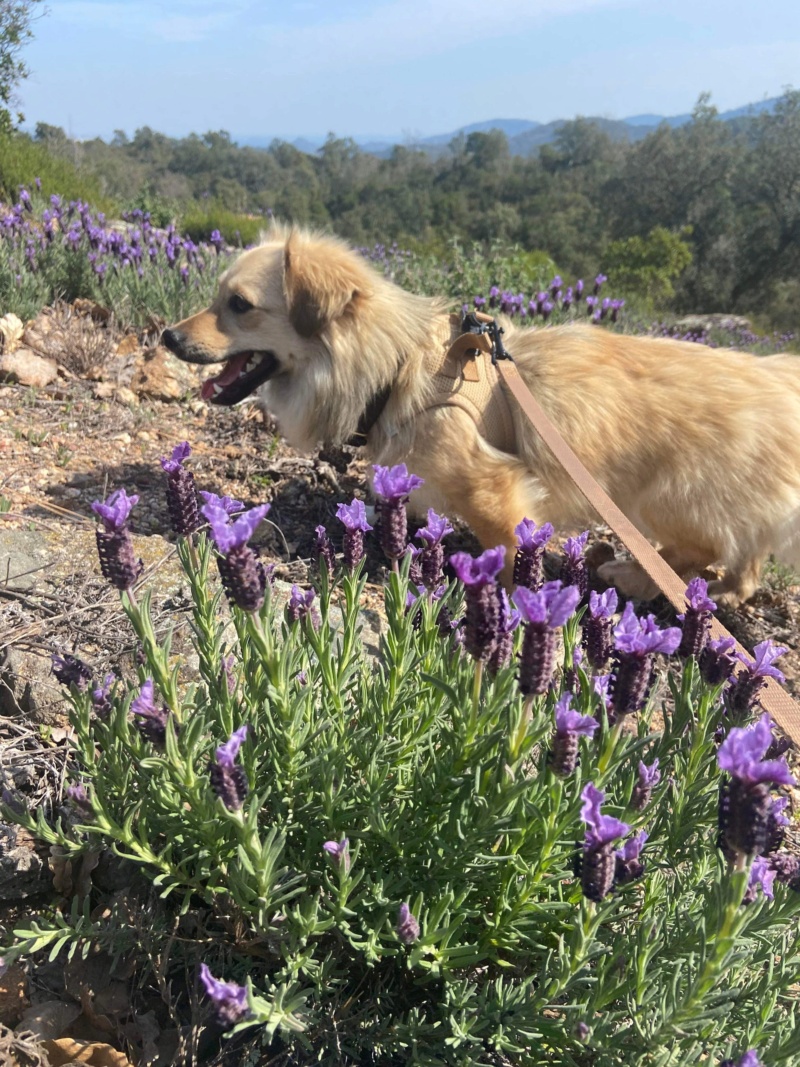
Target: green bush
<point x="401" y="859"/>
<point x="22" y="160"/>
<point x="648" y="267"/>
<point x="200" y="219"/>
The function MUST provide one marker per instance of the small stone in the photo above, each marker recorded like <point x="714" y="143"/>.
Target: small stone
<point x="123" y="438"/>
<point x="26" y="368"/>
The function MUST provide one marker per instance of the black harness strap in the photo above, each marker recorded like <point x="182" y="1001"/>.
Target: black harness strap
<point x="369" y="416"/>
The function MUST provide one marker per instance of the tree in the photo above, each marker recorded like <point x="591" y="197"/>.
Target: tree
<point x="15" y="29"/>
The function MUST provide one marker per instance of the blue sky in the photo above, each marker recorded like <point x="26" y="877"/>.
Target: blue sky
<point x="396" y="67"/>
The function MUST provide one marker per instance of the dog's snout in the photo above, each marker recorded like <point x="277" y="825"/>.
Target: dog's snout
<point x="173" y="340"/>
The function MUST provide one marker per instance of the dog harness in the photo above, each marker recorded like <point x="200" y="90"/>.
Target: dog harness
<point x="463" y="375"/>
<point x="466" y="377"/>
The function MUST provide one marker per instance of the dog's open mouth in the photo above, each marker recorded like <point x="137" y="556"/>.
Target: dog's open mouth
<point x="243" y="374"/>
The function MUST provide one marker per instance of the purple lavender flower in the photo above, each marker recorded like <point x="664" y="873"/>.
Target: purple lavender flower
<point x="479" y="576"/>
<point x="152" y="720"/>
<point x="543" y="613"/>
<point x="431" y="559"/>
<point x="300" y="605"/>
<point x="636" y="641"/>
<point x="225" y="503"/>
<point x="742" y="696"/>
<point x="696" y="619"/>
<point x="786" y="868"/>
<point x="504" y="642"/>
<point x="601" y="686"/>
<point x="745" y="801"/>
<point x="529" y="558"/>
<point x="228" y="779"/>
<point x="324" y="547"/>
<point x="339" y="851"/>
<point x="101" y="701"/>
<point x="598" y="282"/>
<point x="69" y="670"/>
<point x="228" y="998"/>
<point x="750" y="1059"/>
<point x="78" y="795"/>
<point x="570" y="727"/>
<point x="118" y="563"/>
<point x="597" y="636"/>
<point x="628" y="866"/>
<point x="598" y="862"/>
<point x="573" y="568"/>
<point x="762" y="876"/>
<point x="407" y="926"/>
<point x="393" y="486"/>
<point x="649" y="777"/>
<point x="243" y="576"/>
<point x="181" y="493"/>
<point x="718" y="660"/>
<point x="354" y="518"/>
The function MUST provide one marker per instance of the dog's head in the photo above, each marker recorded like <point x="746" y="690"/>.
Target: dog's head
<point x="275" y="322"/>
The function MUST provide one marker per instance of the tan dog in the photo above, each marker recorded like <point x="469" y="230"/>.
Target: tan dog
<point x="700" y="447"/>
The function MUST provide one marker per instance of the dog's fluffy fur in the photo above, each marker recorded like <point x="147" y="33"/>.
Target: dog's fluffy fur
<point x="699" y="447"/>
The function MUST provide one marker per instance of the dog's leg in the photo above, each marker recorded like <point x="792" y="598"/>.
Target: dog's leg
<point x="630" y="578"/>
<point x="739" y="583"/>
<point x="491" y="491"/>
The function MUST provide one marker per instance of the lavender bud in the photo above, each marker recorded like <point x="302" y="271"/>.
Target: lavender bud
<point x="229" y="783"/>
<point x="228" y="998"/>
<point x="744" y="816"/>
<point x="243" y="578"/>
<point x="536" y="659"/>
<point x="787" y="869"/>
<point x="353" y="548"/>
<point x="393" y="528"/>
<point x="182" y="501"/>
<point x="632" y="679"/>
<point x="597" y="870"/>
<point x="325" y="551"/>
<point x="69" y="670"/>
<point x="118" y="563"/>
<point x="717" y="660"/>
<point x="407" y="925"/>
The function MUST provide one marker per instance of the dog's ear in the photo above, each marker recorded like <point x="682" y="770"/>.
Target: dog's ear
<point x="320" y="284"/>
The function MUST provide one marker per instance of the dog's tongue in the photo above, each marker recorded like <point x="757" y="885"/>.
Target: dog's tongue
<point x="232" y="371"/>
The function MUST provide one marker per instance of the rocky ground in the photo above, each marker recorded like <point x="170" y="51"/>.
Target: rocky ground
<point x="100" y="411"/>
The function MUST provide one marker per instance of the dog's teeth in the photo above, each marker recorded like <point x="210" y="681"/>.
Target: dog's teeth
<point x="251" y="364"/>
<point x="217" y="390"/>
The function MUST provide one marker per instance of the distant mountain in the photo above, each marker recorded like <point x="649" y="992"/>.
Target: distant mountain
<point x="510" y="127"/>
<point x="524" y="135"/>
<point x="655" y="120"/>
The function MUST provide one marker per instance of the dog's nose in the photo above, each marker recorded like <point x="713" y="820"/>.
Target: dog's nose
<point x="173" y="340"/>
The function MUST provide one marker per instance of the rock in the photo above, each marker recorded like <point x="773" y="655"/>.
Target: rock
<point x="27" y="687"/>
<point x="24" y="367"/>
<point x="23" y="870"/>
<point x="128" y="345"/>
<point x="160" y="376"/>
<point x="11" y="330"/>
<point x="713" y="322"/>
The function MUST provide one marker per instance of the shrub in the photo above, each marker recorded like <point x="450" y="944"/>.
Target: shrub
<point x="404" y="859"/>
<point x="200" y="220"/>
<point x="648" y="266"/>
<point x="21" y="159"/>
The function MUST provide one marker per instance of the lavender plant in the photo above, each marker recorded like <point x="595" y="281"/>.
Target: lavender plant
<point x="411" y="858"/>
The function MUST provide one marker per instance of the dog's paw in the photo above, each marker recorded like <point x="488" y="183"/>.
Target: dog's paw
<point x="724" y="597"/>
<point x="629" y="578"/>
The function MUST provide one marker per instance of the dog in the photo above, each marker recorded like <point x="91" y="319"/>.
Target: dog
<point x="699" y="447"/>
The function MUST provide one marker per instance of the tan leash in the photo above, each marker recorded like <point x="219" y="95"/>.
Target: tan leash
<point x="773" y="698"/>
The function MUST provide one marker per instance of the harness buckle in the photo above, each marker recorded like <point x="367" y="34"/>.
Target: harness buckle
<point x="472" y="324"/>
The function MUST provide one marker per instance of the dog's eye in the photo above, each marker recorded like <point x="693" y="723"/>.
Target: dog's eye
<point x="238" y="304"/>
